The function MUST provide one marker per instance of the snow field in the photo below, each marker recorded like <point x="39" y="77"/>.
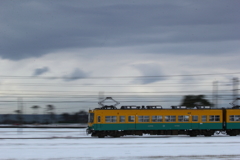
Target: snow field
<point x="71" y="144"/>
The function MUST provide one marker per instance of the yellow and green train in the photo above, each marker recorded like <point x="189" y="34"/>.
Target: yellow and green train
<point x="153" y="120"/>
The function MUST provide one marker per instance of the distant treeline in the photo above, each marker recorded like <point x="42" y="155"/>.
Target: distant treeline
<point x="78" y="117"/>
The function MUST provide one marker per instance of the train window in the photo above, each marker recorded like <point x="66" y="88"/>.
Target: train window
<point x="204" y="118"/>
<point x="217" y="118"/>
<point x="214" y="118"/>
<point x="194" y="118"/>
<point x="122" y="118"/>
<point x="173" y="118"/>
<point x="91" y="117"/>
<point x="131" y="119"/>
<point x="234" y="117"/>
<point x="107" y="119"/>
<point x="110" y="118"/>
<point x="156" y="118"/>
<point x="167" y="118"/>
<point x="183" y="118"/>
<point x="114" y="118"/>
<point x="180" y="118"/>
<point x="99" y="118"/>
<point x="140" y="118"/>
<point x="186" y="118"/>
<point x="211" y="118"/>
<point x="170" y="118"/>
<point x="143" y="118"/>
<point x="237" y="118"/>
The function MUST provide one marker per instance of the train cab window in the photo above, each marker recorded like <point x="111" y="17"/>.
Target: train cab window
<point x="156" y="118"/>
<point x="99" y="119"/>
<point x="143" y="118"/>
<point x="194" y="118"/>
<point x="183" y="118"/>
<point x="131" y="118"/>
<point x="170" y="118"/>
<point x="204" y="118"/>
<point x="110" y="118"/>
<point x="214" y="118"/>
<point x="122" y="119"/>
<point x="234" y="118"/>
<point x="91" y="117"/>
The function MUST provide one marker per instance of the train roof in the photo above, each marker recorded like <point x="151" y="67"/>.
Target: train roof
<point x="157" y="107"/>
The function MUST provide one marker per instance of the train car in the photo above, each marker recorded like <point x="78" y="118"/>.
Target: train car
<point x="154" y="120"/>
<point x="232" y="121"/>
<point x="151" y="120"/>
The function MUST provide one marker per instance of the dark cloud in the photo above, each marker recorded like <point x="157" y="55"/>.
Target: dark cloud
<point x="40" y="71"/>
<point x="149" y="70"/>
<point x="75" y="75"/>
<point x="34" y="28"/>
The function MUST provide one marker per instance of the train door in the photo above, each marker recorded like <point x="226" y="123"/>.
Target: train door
<point x="195" y="121"/>
<point x="99" y="122"/>
<point x="131" y="122"/>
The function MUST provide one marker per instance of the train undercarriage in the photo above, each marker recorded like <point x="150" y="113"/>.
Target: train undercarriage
<point x="191" y="133"/>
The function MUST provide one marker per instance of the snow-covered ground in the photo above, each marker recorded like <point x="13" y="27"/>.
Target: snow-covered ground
<point x="74" y="144"/>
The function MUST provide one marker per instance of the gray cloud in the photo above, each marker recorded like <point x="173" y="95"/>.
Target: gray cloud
<point x="149" y="70"/>
<point x="75" y="75"/>
<point x="40" y="71"/>
<point x="35" y="28"/>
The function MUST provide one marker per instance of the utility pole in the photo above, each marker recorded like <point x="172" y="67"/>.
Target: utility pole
<point x="235" y="90"/>
<point x="100" y="97"/>
<point x="20" y="112"/>
<point x="215" y="94"/>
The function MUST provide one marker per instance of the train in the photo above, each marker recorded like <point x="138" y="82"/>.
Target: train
<point x="155" y="120"/>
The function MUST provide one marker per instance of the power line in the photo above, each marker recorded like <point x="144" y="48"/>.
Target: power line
<point x="111" y="77"/>
<point x="116" y="84"/>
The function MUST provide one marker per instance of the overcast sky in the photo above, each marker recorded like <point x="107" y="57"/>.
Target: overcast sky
<point x="64" y="39"/>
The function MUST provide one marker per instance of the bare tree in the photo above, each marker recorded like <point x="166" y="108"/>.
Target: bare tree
<point x="19" y="117"/>
<point x="50" y="110"/>
<point x="35" y="108"/>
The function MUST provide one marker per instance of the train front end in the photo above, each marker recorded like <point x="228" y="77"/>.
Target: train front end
<point x="90" y="122"/>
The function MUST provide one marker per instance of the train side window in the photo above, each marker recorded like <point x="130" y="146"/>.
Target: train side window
<point x="237" y="118"/>
<point x="186" y="118"/>
<point x="183" y="118"/>
<point x="110" y="118"/>
<point x="214" y="118"/>
<point x="140" y="118"/>
<point x="180" y="118"/>
<point x="194" y="118"/>
<point x="122" y="118"/>
<point x="217" y="118"/>
<point x="145" y="118"/>
<point x="99" y="119"/>
<point x="131" y="119"/>
<point x="156" y="118"/>
<point x="173" y="119"/>
<point x="204" y="118"/>
<point x="170" y="118"/>
<point x="211" y="118"/>
<point x="114" y="118"/>
<point x="234" y="117"/>
<point x="167" y="118"/>
<point x="107" y="118"/>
